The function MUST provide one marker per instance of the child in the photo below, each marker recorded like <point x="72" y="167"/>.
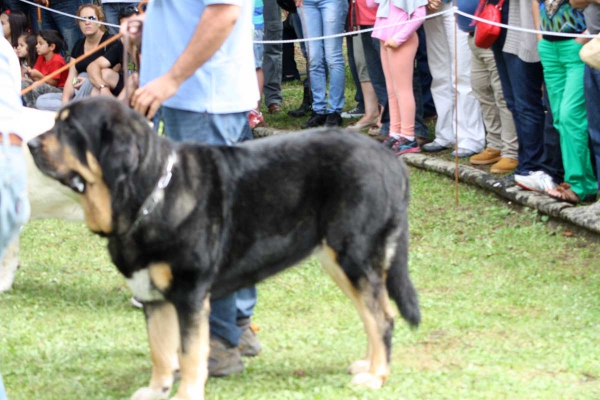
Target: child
<point x="14" y="24"/>
<point x="49" y="44"/>
<point x="255" y="117"/>
<point x="398" y="49"/>
<point x="27" y="53"/>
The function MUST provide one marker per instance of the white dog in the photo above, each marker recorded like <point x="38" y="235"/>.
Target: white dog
<point x="48" y="198"/>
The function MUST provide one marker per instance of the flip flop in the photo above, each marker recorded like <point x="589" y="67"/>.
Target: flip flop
<point x="563" y="192"/>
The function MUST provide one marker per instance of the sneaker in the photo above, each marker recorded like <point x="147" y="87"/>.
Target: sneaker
<point x="333" y="120"/>
<point x="404" y="146"/>
<point x="433" y="147"/>
<point x="356" y="112"/>
<point x="390" y="142"/>
<point x="224" y="360"/>
<point x="488" y="156"/>
<point x="314" y="121"/>
<point x="249" y="344"/>
<point x="255" y="118"/>
<point x="504" y="165"/>
<point x="462" y="153"/>
<point x="536" y="181"/>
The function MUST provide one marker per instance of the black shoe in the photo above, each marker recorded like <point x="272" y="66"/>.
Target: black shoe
<point x="333" y="120"/>
<point x="305" y="107"/>
<point x="315" y="121"/>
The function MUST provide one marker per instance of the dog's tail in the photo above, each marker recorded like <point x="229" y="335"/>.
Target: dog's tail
<point x="400" y="287"/>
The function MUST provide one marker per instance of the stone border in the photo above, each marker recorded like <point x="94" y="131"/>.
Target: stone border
<point x="586" y="217"/>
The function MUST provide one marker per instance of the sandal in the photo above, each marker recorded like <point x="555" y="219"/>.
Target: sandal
<point x="563" y="192"/>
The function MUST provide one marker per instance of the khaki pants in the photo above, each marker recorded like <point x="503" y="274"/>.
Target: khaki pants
<point x="497" y="118"/>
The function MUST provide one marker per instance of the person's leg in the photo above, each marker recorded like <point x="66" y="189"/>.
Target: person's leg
<point x="333" y="14"/>
<point x="524" y="100"/>
<point x="111" y="12"/>
<point x="272" y="55"/>
<point x="421" y="129"/>
<point x="573" y="122"/>
<point x="371" y="104"/>
<point x="49" y="102"/>
<point x="67" y="25"/>
<point x="592" y="99"/>
<point x="551" y="160"/>
<point x="440" y="57"/>
<point x="483" y="92"/>
<point x="351" y="45"/>
<point x="424" y="74"/>
<point x="373" y="59"/>
<point x="318" y="81"/>
<point x="402" y="67"/>
<point x="393" y="108"/>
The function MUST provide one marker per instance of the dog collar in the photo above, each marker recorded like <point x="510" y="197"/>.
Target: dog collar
<point x="157" y="195"/>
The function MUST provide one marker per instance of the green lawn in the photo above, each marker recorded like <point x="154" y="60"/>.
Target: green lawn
<point x="511" y="309"/>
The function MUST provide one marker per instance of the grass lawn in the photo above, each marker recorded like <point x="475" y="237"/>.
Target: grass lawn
<point x="511" y="309"/>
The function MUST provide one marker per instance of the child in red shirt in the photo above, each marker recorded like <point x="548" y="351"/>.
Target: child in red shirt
<point x="49" y="45"/>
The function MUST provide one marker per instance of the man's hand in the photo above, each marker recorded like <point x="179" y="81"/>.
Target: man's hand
<point x="391" y="44"/>
<point x="433" y="5"/>
<point x="132" y="26"/>
<point x="148" y="99"/>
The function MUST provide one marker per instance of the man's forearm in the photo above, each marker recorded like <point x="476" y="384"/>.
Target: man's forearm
<point x="215" y="25"/>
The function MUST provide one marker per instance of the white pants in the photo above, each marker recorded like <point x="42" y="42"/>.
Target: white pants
<point x="440" y="54"/>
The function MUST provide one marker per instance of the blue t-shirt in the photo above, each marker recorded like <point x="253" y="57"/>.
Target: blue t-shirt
<point x="226" y="83"/>
<point x="258" y="19"/>
<point x="469" y="7"/>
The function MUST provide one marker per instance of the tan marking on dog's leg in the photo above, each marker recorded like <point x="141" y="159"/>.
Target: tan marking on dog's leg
<point x="376" y="361"/>
<point x="194" y="361"/>
<point x="161" y="275"/>
<point x="163" y="335"/>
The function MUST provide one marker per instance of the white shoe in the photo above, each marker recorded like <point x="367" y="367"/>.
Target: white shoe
<point x="536" y="181"/>
<point x="354" y="113"/>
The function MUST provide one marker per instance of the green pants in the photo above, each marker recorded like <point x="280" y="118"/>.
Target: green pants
<point x="563" y="75"/>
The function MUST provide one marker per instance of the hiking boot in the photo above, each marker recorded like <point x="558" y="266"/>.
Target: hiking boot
<point x="504" y="165"/>
<point x="356" y="112"/>
<point x="274" y="108"/>
<point x="305" y="107"/>
<point x="333" y="120"/>
<point x="404" y="146"/>
<point x="314" y="121"/>
<point x="488" y="156"/>
<point x="249" y="344"/>
<point x="224" y="359"/>
<point x="536" y="181"/>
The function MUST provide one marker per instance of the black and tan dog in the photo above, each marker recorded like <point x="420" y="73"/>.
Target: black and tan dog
<point x="190" y="221"/>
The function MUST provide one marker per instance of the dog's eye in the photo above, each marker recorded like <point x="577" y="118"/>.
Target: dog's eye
<point x="78" y="184"/>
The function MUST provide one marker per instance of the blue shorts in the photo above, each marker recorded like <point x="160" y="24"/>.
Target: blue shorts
<point x="259" y="48"/>
<point x="14" y="204"/>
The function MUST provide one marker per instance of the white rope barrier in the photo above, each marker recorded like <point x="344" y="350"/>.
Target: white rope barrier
<point x="453" y="10"/>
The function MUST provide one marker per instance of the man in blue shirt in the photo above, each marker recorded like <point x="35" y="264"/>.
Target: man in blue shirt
<point x="198" y="76"/>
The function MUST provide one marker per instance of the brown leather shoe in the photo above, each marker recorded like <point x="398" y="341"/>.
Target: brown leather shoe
<point x="504" y="165"/>
<point x="488" y="156"/>
<point x="274" y="108"/>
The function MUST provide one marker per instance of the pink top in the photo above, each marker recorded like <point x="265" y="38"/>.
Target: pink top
<point x="400" y="33"/>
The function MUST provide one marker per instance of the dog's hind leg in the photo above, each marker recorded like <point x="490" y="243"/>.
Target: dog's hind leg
<point x="371" y="301"/>
<point x="163" y="335"/>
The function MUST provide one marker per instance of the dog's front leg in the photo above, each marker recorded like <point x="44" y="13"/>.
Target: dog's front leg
<point x="163" y="335"/>
<point x="194" y="350"/>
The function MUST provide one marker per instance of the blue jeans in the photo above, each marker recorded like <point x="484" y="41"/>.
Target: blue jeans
<point x="28" y="9"/>
<point x="323" y="18"/>
<point x="111" y="12"/>
<point x="67" y="26"/>
<point x="591" y="83"/>
<point x="14" y="205"/>
<point x="522" y="86"/>
<point x="215" y="129"/>
<point x="371" y="47"/>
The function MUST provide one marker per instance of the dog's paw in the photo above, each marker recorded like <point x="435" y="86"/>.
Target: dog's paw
<point x="367" y="380"/>
<point x="359" y="366"/>
<point x="147" y="393"/>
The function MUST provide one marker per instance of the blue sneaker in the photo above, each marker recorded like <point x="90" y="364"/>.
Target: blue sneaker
<point x="404" y="146"/>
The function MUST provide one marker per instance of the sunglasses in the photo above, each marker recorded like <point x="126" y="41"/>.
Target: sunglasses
<point x="91" y="18"/>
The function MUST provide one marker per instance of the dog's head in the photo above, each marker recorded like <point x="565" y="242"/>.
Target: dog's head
<point x="93" y="147"/>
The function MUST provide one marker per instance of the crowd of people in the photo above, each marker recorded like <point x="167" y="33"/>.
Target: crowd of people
<point x="527" y="104"/>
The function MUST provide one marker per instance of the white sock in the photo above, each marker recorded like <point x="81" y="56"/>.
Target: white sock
<point x="395" y="135"/>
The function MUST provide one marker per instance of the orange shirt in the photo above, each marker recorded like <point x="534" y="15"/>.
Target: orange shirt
<point x="56" y="62"/>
